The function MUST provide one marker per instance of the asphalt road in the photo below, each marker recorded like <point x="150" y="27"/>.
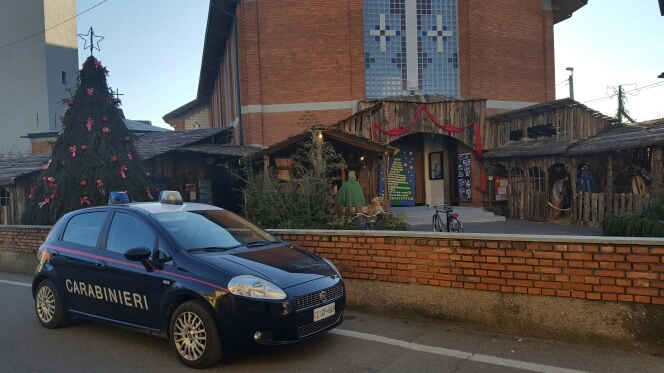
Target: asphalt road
<point x="364" y="343"/>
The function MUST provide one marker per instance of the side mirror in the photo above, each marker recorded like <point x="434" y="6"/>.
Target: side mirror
<point x="140" y="254"/>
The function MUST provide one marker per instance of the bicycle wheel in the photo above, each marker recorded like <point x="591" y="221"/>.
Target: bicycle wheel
<point x="438" y="224"/>
<point x="455" y="225"/>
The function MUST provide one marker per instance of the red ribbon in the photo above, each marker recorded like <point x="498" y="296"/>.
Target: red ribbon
<point x="122" y="171"/>
<point x="97" y="64"/>
<point x="54" y="194"/>
<point x="100" y="184"/>
<point x="51" y="181"/>
<point x="90" y="123"/>
<point x="449" y="128"/>
<point x="90" y="91"/>
<point x="131" y="157"/>
<point x="32" y="191"/>
<point x="46" y="200"/>
<point x="106" y="130"/>
<point x="72" y="150"/>
<point x="47" y="164"/>
<point x="85" y="200"/>
<point x="147" y="190"/>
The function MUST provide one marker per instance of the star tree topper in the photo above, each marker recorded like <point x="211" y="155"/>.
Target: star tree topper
<point x="92" y="35"/>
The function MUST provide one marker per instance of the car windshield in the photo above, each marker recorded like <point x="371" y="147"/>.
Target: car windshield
<point x="210" y="230"/>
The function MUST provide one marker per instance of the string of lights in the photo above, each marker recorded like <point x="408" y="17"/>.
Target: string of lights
<point x="637" y="89"/>
<point x="52" y="27"/>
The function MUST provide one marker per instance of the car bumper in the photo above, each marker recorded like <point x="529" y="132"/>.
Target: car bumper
<point x="253" y="322"/>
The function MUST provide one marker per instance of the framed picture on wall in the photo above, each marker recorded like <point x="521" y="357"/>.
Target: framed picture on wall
<point x="435" y="165"/>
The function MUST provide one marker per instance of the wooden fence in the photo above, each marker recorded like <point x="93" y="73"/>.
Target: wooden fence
<point x="529" y="205"/>
<point x="590" y="209"/>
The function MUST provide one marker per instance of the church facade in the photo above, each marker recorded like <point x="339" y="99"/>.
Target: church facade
<point x="271" y="69"/>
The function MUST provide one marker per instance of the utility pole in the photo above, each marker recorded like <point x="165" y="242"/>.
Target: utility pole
<point x="621" y="106"/>
<point x="571" y="82"/>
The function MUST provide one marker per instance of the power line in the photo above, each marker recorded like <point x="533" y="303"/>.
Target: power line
<point x="41" y="32"/>
<point x="608" y="97"/>
<point x="564" y="81"/>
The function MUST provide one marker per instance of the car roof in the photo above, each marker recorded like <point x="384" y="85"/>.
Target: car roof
<point x="157" y="207"/>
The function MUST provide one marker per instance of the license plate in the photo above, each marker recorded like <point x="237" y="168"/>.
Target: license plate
<point x="323" y="312"/>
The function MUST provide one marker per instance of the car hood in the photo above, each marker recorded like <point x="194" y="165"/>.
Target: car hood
<point x="284" y="265"/>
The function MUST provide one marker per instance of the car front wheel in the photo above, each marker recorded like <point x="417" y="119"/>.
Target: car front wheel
<point x="48" y="305"/>
<point x="194" y="335"/>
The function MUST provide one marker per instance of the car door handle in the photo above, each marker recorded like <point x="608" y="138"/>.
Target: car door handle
<point x="100" y="263"/>
<point x="54" y="252"/>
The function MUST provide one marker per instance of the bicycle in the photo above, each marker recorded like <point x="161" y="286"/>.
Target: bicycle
<point x="453" y="224"/>
<point x="368" y="222"/>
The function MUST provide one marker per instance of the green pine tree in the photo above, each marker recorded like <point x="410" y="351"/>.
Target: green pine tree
<point x="93" y="155"/>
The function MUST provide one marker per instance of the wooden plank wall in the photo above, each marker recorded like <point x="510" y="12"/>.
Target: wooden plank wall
<point x="592" y="208"/>
<point x="572" y="123"/>
<point x="397" y="114"/>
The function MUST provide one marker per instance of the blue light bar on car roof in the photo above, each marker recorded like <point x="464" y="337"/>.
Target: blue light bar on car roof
<point x="116" y="198"/>
<point x="170" y="197"/>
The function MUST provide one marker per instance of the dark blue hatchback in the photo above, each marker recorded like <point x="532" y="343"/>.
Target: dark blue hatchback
<point x="203" y="277"/>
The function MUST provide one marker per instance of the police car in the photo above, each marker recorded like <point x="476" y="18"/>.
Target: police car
<point x="203" y="277"/>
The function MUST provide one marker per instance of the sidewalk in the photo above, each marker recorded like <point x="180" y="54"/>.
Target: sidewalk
<point x="475" y="220"/>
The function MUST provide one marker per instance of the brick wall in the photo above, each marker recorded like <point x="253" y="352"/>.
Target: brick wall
<point x="506" y="50"/>
<point x="615" y="269"/>
<point x="22" y="239"/>
<point x="39" y="147"/>
<point x="594" y="268"/>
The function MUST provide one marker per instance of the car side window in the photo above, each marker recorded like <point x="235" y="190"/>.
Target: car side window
<point x="84" y="228"/>
<point x="128" y="231"/>
<point x="162" y="255"/>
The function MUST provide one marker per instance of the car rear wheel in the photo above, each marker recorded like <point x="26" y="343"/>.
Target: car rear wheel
<point x="194" y="335"/>
<point x="48" y="305"/>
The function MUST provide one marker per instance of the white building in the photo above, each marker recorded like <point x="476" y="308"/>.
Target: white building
<point x="35" y="71"/>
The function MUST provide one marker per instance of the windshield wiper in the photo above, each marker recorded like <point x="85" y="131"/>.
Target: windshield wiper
<point x="260" y="243"/>
<point x="211" y="249"/>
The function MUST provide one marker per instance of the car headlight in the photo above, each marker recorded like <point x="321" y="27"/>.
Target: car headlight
<point x="329" y="262"/>
<point x="254" y="287"/>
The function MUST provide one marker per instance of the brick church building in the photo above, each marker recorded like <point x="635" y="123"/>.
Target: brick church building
<point x="270" y="69"/>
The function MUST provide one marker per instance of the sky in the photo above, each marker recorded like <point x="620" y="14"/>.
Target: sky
<point x="153" y="50"/>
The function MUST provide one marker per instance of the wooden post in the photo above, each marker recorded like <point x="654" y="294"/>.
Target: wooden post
<point x="266" y="164"/>
<point x="386" y="194"/>
<point x="586" y="209"/>
<point x="609" y="183"/>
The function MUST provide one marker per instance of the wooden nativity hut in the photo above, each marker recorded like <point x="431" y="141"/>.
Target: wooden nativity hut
<point x="561" y="160"/>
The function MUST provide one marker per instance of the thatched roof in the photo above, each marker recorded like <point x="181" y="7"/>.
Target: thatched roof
<point x="626" y="136"/>
<point x="335" y="136"/>
<point x="151" y="145"/>
<point x="215" y="149"/>
<point x="529" y="147"/>
<point x="12" y="168"/>
<point x="545" y="107"/>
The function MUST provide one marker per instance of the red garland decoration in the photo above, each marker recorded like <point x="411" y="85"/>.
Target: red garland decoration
<point x="46" y="200"/>
<point x="90" y="91"/>
<point x="122" y="171"/>
<point x="127" y="139"/>
<point x="106" y="130"/>
<point x="85" y="200"/>
<point x="84" y="147"/>
<point x="51" y="181"/>
<point x="70" y="102"/>
<point x="97" y="64"/>
<point x="100" y="184"/>
<point x="130" y="157"/>
<point x="72" y="150"/>
<point x="147" y="190"/>
<point x="423" y="108"/>
<point x="32" y="191"/>
<point x="54" y="194"/>
<point x="47" y="164"/>
<point x="90" y="123"/>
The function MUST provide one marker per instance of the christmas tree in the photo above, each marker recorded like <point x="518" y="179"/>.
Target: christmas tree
<point x="93" y="154"/>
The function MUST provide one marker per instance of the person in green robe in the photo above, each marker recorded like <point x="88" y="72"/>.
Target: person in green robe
<point x="350" y="193"/>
